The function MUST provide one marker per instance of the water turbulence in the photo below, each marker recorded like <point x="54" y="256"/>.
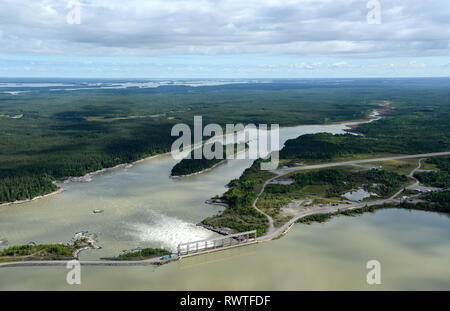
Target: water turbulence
<point x="167" y="232"/>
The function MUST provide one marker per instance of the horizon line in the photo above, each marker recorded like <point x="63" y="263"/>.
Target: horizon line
<point x="228" y="78"/>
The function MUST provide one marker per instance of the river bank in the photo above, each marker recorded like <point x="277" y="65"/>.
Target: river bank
<point x="142" y="205"/>
<point x="200" y="172"/>
<point x="88" y="177"/>
<point x="58" y="191"/>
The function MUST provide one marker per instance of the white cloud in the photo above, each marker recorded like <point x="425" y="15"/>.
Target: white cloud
<point x="305" y="66"/>
<point x="268" y="67"/>
<point x="335" y="28"/>
<point x="416" y="64"/>
<point x="340" y="65"/>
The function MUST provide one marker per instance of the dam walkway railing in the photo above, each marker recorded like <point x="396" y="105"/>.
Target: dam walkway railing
<point x="216" y="244"/>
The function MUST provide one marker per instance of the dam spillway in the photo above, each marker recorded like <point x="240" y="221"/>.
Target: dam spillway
<point x="216" y="244"/>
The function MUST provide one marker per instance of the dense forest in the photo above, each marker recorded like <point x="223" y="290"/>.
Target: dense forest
<point x="24" y="186"/>
<point x="240" y="215"/>
<point x="414" y="125"/>
<point x="328" y="146"/>
<point x="42" y="251"/>
<point x="70" y="133"/>
<point x="439" y="178"/>
<point x="440" y="201"/>
<point x="341" y="181"/>
<point x="399" y="134"/>
<point x="190" y="165"/>
<point x="62" y="134"/>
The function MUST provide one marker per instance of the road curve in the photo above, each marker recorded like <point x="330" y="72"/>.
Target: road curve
<point x="271" y="226"/>
<point x="275" y="232"/>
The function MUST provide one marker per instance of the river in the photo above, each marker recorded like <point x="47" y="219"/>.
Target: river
<point x="143" y="207"/>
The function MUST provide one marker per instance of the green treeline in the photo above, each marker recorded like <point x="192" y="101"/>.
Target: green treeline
<point x="437" y="202"/>
<point x="22" y="187"/>
<point x="408" y="133"/>
<point x="440" y="201"/>
<point x="441" y="178"/>
<point x="145" y="253"/>
<point x="321" y="218"/>
<point x="64" y="134"/>
<point x="328" y="146"/>
<point x="441" y="163"/>
<point x="43" y="251"/>
<point x="189" y="165"/>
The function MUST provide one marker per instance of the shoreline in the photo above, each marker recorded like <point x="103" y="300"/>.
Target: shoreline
<point x="88" y="176"/>
<point x="284" y="230"/>
<point x="199" y="172"/>
<point x="209" y="168"/>
<point x="85" y="178"/>
<point x="42" y="196"/>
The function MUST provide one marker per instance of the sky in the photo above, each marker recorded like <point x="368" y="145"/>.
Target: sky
<point x="224" y="38"/>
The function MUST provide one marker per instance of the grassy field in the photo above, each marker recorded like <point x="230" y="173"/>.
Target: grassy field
<point x="404" y="166"/>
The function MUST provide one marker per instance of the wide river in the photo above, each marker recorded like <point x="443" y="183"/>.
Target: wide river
<point x="143" y="207"/>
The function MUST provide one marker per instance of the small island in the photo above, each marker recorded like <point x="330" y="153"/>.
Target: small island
<point x="59" y="251"/>
<point x="145" y="253"/>
<point x="190" y="166"/>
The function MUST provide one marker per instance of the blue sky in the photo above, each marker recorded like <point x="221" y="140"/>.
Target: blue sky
<point x="224" y="39"/>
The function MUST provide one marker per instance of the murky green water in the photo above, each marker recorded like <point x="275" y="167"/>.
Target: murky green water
<point x="412" y="247"/>
<point x="144" y="207"/>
